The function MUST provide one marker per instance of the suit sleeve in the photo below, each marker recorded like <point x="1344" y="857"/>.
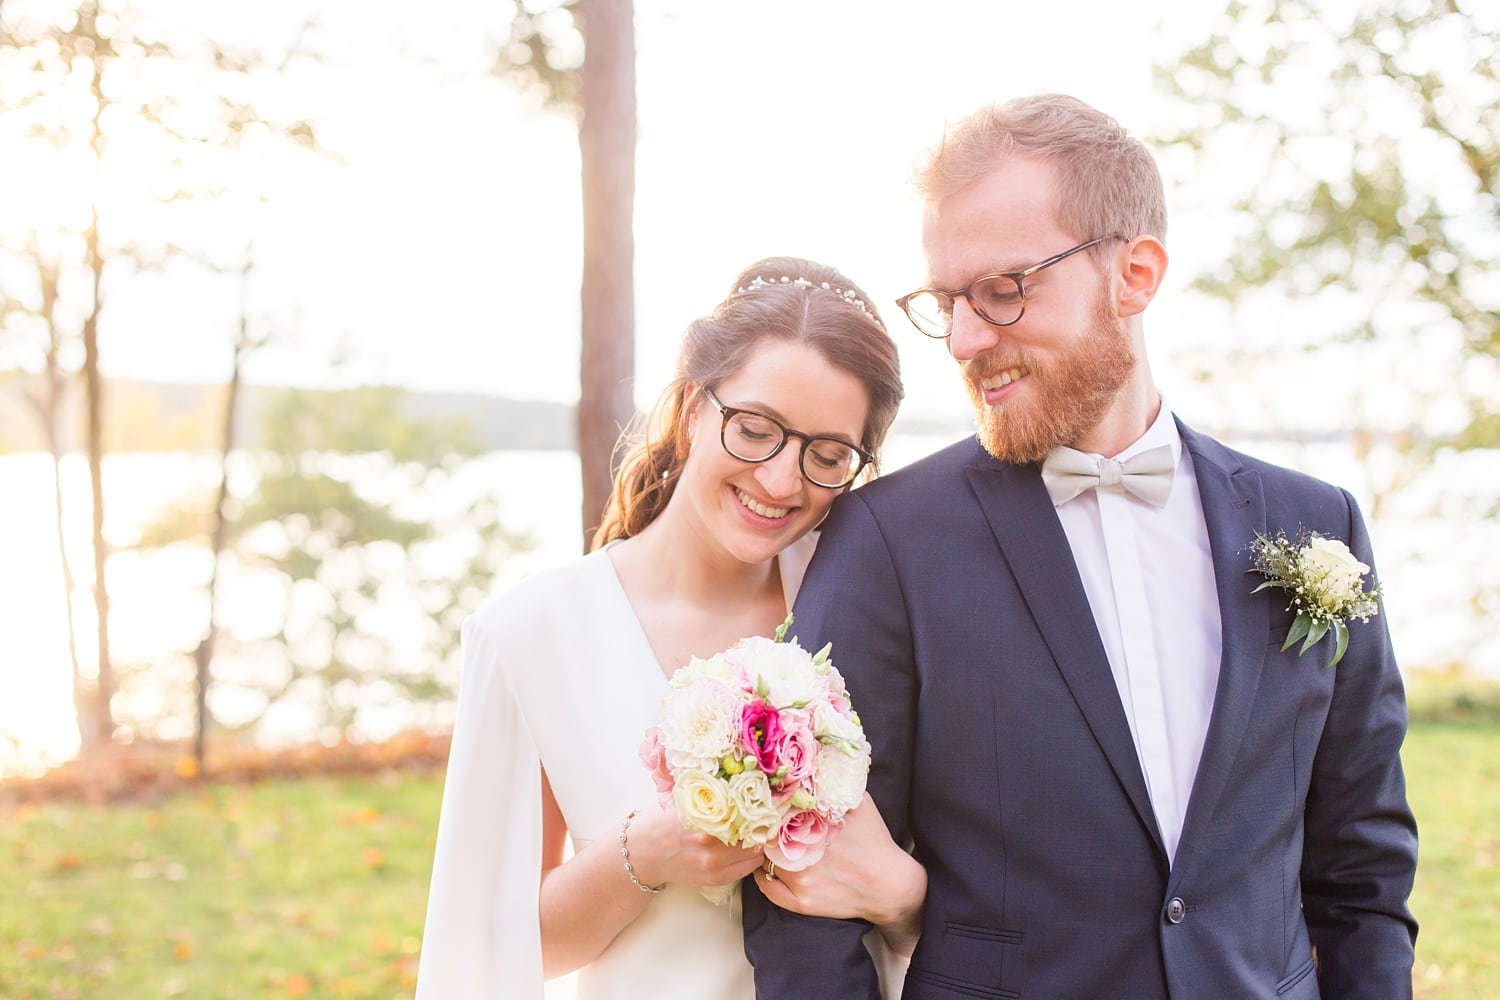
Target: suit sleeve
<point x="851" y="597"/>
<point x="1360" y="849"/>
<point x="483" y="936"/>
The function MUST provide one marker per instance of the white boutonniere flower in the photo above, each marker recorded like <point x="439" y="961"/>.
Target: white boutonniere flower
<point x="1325" y="584"/>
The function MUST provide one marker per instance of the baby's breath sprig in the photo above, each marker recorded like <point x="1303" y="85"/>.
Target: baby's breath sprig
<point x="1324" y="584"/>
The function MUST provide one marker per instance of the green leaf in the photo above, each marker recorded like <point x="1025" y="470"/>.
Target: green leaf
<point x="1340" y="641"/>
<point x="1268" y="583"/>
<point x="1318" y="631"/>
<point x="1298" y="630"/>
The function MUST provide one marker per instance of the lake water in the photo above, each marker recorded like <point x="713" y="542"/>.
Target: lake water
<point x="1434" y="559"/>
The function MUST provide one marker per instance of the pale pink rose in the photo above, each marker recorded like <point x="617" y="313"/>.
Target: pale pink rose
<point x="798" y="748"/>
<point x="801" y="842"/>
<point x="738" y="670"/>
<point x="655" y="759"/>
<point x="760" y="734"/>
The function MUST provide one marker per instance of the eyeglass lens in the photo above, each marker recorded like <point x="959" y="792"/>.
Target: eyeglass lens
<point x="752" y="437"/>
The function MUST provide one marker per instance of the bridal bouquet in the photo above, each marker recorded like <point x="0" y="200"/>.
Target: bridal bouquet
<point x="759" y="745"/>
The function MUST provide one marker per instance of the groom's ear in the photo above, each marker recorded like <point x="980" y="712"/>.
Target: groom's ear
<point x="1141" y="269"/>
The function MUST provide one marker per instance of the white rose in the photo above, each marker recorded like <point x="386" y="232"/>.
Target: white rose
<point x="699" y="725"/>
<point x="703" y="804"/>
<point x="1331" y="569"/>
<point x="758" y="815"/>
<point x="839" y="779"/>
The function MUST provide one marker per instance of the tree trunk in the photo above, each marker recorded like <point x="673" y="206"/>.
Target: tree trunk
<point x="104" y="715"/>
<point x="606" y="142"/>
<point x="83" y="692"/>
<point x="48" y="403"/>
<point x="203" y="656"/>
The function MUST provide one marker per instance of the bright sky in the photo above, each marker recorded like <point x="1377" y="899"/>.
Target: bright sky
<point x="445" y="253"/>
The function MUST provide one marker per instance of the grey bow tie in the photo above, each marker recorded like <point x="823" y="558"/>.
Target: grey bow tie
<point x="1067" y="473"/>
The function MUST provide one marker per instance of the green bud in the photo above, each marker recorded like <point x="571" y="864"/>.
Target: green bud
<point x="731" y="765"/>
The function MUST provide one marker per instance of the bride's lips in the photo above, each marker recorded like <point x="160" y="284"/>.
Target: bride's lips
<point x="1001" y="385"/>
<point x="759" y="512"/>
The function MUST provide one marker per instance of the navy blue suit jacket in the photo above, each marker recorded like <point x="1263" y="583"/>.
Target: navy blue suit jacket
<point x="1002" y="752"/>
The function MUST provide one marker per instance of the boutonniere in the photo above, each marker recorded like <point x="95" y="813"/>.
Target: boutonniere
<point x="1324" y="581"/>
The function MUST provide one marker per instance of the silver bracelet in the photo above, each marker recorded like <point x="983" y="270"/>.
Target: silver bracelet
<point x="625" y="856"/>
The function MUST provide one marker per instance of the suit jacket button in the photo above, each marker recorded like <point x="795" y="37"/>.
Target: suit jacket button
<point x="1176" y="910"/>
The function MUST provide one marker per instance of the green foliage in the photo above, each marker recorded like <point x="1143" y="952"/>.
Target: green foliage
<point x="543" y="54"/>
<point x="1368" y="140"/>
<point x="352" y="520"/>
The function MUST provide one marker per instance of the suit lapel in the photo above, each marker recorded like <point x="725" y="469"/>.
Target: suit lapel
<point x="1234" y="510"/>
<point x="1025" y="526"/>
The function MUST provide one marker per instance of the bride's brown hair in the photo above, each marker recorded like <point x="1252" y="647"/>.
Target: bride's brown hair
<point x="782" y="298"/>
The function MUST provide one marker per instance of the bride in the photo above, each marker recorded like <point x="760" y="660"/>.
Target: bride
<point x="781" y="399"/>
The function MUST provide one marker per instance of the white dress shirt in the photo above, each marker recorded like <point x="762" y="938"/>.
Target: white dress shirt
<point x="1149" y="578"/>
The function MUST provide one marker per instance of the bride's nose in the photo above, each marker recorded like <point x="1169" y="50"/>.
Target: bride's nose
<point x="781" y="476"/>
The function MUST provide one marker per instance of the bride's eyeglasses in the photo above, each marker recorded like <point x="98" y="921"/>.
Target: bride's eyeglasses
<point x="754" y="437"/>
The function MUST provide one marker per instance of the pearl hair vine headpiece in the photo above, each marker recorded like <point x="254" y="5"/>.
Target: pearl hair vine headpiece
<point x="848" y="295"/>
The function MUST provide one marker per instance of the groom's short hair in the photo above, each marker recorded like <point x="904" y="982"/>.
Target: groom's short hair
<point x="1108" y="183"/>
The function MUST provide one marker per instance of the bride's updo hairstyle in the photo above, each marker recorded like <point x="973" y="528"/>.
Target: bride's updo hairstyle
<point x="782" y="298"/>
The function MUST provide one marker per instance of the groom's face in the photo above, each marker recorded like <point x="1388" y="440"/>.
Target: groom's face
<point x="1050" y="377"/>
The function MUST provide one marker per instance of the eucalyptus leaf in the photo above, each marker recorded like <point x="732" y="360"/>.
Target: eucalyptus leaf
<point x="1298" y="630"/>
<point x="1317" y="632"/>
<point x="1340" y="641"/>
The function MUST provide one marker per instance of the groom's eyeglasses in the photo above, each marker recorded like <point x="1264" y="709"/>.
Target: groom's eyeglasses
<point x="998" y="299"/>
<point x="754" y="437"/>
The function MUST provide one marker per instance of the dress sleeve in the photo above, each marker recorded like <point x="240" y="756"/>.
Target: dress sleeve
<point x="483" y="935"/>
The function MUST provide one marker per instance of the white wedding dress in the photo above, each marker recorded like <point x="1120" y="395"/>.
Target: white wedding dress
<point x="558" y="674"/>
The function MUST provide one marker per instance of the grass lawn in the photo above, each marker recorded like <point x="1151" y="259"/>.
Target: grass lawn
<point x="315" y="887"/>
<point x="1452" y="759"/>
<point x="294" y="888"/>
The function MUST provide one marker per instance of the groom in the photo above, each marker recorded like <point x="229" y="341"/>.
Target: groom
<point x="1082" y="717"/>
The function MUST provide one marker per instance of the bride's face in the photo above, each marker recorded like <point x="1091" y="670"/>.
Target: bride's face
<point x="754" y="510"/>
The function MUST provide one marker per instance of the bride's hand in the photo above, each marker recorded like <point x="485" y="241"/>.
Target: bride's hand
<point x="662" y="851"/>
<point x="863" y="874"/>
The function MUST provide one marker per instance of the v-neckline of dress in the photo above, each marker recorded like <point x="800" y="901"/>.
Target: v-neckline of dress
<point x="791" y="563"/>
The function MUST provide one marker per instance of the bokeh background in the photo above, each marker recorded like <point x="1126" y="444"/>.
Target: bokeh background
<point x="291" y="301"/>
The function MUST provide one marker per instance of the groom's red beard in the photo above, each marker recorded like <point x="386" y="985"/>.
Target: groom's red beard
<point x="1065" y="397"/>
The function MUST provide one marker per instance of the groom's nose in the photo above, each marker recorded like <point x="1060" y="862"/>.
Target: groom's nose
<point x="971" y="336"/>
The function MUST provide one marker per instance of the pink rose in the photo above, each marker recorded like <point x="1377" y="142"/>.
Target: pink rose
<point x="798" y="748"/>
<point x="655" y="759"/>
<point x="801" y="841"/>
<point x="760" y="732"/>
